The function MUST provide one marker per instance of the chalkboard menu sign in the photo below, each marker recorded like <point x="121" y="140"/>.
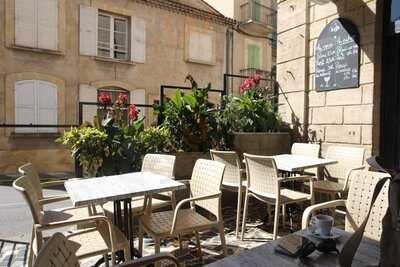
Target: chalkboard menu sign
<point x="337" y="56"/>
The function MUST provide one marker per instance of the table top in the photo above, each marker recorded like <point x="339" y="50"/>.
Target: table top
<point x="293" y="163"/>
<point x="118" y="187"/>
<point x="264" y="255"/>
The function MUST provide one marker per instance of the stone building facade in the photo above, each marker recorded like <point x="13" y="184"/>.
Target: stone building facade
<point x="56" y="53"/>
<point x="343" y="117"/>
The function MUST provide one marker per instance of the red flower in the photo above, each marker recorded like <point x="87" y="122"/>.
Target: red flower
<point x="133" y="113"/>
<point x="104" y="98"/>
<point x="246" y="85"/>
<point x="257" y="78"/>
<point x="123" y="98"/>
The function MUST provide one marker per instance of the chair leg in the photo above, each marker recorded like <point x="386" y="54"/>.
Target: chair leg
<point x="113" y="259"/>
<point x="276" y="221"/>
<point x="157" y="248"/>
<point x="269" y="211"/>
<point x="140" y="235"/>
<point x="198" y="245"/>
<point x="283" y="215"/>
<point x="30" y="249"/>
<point x="239" y="211"/>
<point x="246" y="200"/>
<point x="223" y="241"/>
<point x="180" y="244"/>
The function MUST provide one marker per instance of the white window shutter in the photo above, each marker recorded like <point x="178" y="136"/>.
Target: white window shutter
<point x="88" y="31"/>
<point x="139" y="97"/>
<point x="138" y="40"/>
<point x="25" y="23"/>
<point x="88" y="93"/>
<point x="25" y="112"/>
<point x="47" y="18"/>
<point x="47" y="105"/>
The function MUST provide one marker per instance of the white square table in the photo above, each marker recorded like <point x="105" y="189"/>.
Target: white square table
<point x="298" y="163"/>
<point x="120" y="189"/>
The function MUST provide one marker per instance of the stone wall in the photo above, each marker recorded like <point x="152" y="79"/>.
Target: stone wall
<point x="165" y="65"/>
<point x="348" y="116"/>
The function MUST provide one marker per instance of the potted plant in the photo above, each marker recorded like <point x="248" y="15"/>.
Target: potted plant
<point x="193" y="125"/>
<point x="250" y="122"/>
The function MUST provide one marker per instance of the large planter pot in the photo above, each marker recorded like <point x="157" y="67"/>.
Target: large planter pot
<point x="266" y="144"/>
<point x="185" y="161"/>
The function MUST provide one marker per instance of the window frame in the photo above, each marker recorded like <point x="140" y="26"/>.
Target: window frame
<point x="112" y="32"/>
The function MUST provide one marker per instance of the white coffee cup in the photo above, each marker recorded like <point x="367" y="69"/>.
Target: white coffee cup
<point x="322" y="224"/>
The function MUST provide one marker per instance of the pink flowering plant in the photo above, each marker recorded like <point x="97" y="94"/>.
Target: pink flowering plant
<point x="252" y="111"/>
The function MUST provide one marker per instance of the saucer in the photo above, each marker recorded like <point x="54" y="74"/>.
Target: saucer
<point x="334" y="234"/>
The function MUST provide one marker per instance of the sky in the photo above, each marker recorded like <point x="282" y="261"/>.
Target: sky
<point x="223" y="6"/>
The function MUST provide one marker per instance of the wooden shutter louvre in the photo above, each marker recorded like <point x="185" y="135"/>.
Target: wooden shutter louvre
<point x="88" y="31"/>
<point x="25" y="23"/>
<point x="24" y="99"/>
<point x="47" y="24"/>
<point x="47" y="105"/>
<point x="138" y="40"/>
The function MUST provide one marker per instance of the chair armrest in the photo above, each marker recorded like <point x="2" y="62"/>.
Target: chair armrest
<point x="189" y="200"/>
<point x="151" y="259"/>
<point x="54" y="225"/>
<point x="296" y="178"/>
<point x="52" y="199"/>
<point x="330" y="204"/>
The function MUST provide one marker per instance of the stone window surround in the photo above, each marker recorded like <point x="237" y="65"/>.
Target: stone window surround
<point x="10" y="29"/>
<point x="11" y="79"/>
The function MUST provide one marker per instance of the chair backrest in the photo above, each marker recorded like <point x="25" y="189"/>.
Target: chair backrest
<point x="347" y="158"/>
<point x="262" y="174"/>
<point x="306" y="149"/>
<point x="159" y="164"/>
<point x="206" y="180"/>
<point x="359" y="201"/>
<point x="31" y="194"/>
<point x="58" y="252"/>
<point x="29" y="169"/>
<point x="232" y="166"/>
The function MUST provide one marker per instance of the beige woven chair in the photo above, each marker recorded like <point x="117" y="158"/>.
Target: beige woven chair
<point x="205" y="191"/>
<point x="233" y="178"/>
<point x="98" y="240"/>
<point x="337" y="175"/>
<point x="61" y="252"/>
<point x="29" y="169"/>
<point x="159" y="164"/>
<point x="264" y="184"/>
<point x="358" y="203"/>
<point x="307" y="149"/>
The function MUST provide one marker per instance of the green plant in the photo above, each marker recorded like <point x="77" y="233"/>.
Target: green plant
<point x="252" y="111"/>
<point x="155" y="140"/>
<point x="190" y="119"/>
<point x="86" y="145"/>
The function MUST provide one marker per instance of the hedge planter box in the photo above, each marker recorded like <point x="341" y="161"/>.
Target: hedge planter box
<point x="266" y="144"/>
<point x="185" y="161"/>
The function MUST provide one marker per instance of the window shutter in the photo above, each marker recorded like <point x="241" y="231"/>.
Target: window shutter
<point x="47" y="105"/>
<point x="25" y="23"/>
<point x="88" y="93"/>
<point x="24" y="97"/>
<point x="139" y="97"/>
<point x="88" y="31"/>
<point x="47" y="24"/>
<point x="138" y="40"/>
<point x="253" y="56"/>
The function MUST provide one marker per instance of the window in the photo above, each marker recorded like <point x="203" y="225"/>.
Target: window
<point x="113" y="92"/>
<point x="256" y="10"/>
<point x="113" y="36"/>
<point x="36" y="103"/>
<point x="36" y="24"/>
<point x="253" y="56"/>
<point x="201" y="46"/>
